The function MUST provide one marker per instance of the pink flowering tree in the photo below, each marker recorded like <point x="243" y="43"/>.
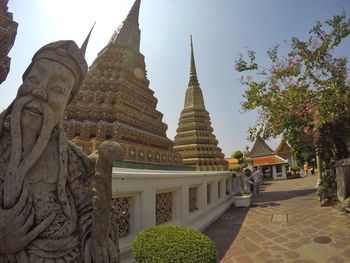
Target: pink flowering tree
<point x="304" y="95"/>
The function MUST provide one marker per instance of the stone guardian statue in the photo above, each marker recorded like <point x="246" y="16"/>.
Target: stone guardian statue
<point x="47" y="201"/>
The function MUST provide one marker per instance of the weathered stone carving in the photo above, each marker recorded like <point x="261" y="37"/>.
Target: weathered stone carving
<point x="8" y="31"/>
<point x="48" y="209"/>
<point x="101" y="200"/>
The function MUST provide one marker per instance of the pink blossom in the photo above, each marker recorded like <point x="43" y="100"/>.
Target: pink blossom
<point x="316" y="136"/>
<point x="316" y="122"/>
<point x="298" y="113"/>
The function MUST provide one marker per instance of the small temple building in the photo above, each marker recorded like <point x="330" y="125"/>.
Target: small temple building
<point x="8" y="31"/>
<point x="116" y="103"/>
<point x="272" y="165"/>
<point x="195" y="140"/>
<point x="285" y="151"/>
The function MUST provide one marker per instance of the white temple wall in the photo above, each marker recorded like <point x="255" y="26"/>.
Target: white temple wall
<point x="146" y="198"/>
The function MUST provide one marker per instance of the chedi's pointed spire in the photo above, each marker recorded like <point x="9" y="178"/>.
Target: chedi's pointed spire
<point x="134" y="11"/>
<point x="86" y="42"/>
<point x="194" y="96"/>
<point x="193" y="72"/>
<point x="128" y="34"/>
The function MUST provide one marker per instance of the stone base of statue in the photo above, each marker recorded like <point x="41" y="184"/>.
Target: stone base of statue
<point x="343" y="179"/>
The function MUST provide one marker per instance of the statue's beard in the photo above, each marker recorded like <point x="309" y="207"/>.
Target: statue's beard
<point x="20" y="164"/>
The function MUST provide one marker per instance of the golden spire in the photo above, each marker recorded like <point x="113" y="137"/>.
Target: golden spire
<point x="134" y="12"/>
<point x="128" y="34"/>
<point x="194" y="96"/>
<point x="86" y="41"/>
<point x="193" y="72"/>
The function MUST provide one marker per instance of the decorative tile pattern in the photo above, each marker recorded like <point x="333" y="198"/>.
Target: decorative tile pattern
<point x="193" y="199"/>
<point x="164" y="207"/>
<point x="121" y="208"/>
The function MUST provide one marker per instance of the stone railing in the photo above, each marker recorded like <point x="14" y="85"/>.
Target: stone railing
<point x="143" y="198"/>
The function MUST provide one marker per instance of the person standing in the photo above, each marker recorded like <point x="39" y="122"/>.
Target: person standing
<point x="257" y="177"/>
<point x="306" y="168"/>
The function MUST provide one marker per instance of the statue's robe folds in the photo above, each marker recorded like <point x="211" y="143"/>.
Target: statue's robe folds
<point x="63" y="240"/>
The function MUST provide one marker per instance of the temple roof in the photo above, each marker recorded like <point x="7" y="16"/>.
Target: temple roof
<point x="283" y="147"/>
<point x="268" y="160"/>
<point x="260" y="148"/>
<point x="129" y="34"/>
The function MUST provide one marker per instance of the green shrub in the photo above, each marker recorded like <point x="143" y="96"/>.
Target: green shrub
<point x="295" y="168"/>
<point x="238" y="155"/>
<point x="235" y="168"/>
<point x="167" y="244"/>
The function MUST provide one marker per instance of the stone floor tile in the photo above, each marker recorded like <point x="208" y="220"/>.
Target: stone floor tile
<point x="339" y="244"/>
<point x="277" y="248"/>
<point x="346" y="253"/>
<point x="305" y="240"/>
<point x="263" y="255"/>
<point x="235" y="251"/>
<point x="270" y="235"/>
<point x="248" y="235"/>
<point x="281" y="239"/>
<point x="274" y="261"/>
<point x="293" y="235"/>
<point x="243" y="259"/>
<point x="291" y="254"/>
<point x="227" y="260"/>
<point x="336" y="259"/>
<point x="293" y="245"/>
<point x="251" y="247"/>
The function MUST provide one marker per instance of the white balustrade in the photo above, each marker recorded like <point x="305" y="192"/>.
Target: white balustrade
<point x="150" y="197"/>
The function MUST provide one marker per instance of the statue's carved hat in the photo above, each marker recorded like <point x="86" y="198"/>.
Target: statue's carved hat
<point x="67" y="53"/>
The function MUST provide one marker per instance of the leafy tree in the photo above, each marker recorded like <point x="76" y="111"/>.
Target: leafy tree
<point x="242" y="161"/>
<point x="303" y="96"/>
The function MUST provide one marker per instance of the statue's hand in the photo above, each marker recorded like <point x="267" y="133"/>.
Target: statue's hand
<point x="15" y="225"/>
<point x="106" y="254"/>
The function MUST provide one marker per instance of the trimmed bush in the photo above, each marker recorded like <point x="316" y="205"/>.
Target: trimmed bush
<point x="237" y="155"/>
<point x="235" y="168"/>
<point x="167" y="244"/>
<point x="295" y="168"/>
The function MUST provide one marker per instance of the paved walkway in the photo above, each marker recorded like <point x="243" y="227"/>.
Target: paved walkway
<point x="284" y="225"/>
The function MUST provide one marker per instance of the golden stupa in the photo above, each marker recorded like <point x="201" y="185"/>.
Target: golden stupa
<point x="195" y="140"/>
<point x="116" y="103"/>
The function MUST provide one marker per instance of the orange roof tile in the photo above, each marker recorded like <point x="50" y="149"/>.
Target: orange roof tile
<point x="231" y="161"/>
<point x="268" y="160"/>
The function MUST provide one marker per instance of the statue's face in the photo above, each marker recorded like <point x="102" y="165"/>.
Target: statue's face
<point x="49" y="83"/>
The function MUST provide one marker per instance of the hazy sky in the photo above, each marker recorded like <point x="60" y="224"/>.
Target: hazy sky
<point x="221" y="29"/>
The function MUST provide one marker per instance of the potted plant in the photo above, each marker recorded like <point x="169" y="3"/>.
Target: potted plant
<point x="243" y="197"/>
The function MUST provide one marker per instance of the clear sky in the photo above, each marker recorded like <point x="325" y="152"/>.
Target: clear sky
<point x="221" y="29"/>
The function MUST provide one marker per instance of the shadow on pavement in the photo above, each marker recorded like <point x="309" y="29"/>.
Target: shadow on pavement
<point x="282" y="195"/>
<point x="225" y="229"/>
<point x="265" y="204"/>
